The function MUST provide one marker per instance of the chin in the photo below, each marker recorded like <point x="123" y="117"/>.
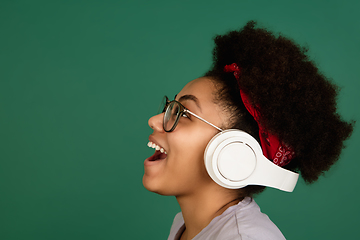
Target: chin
<point x="155" y="188"/>
<point x="150" y="185"/>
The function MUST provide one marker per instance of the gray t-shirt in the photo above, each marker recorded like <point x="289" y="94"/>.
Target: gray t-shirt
<point x="243" y="221"/>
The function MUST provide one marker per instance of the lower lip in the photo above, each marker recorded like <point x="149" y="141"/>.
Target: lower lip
<point x="147" y="162"/>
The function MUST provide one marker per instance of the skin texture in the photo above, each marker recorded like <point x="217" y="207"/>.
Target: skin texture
<point x="182" y="173"/>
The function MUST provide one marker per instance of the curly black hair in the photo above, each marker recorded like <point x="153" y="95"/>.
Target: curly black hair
<point x="297" y="102"/>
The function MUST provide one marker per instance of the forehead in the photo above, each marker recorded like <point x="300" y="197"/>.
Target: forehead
<point x="202" y="88"/>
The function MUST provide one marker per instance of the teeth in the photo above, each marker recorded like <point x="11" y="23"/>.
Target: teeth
<point x="156" y="147"/>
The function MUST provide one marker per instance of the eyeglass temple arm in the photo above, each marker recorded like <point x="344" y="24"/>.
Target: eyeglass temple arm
<point x="203" y="120"/>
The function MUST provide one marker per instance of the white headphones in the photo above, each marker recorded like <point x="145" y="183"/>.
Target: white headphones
<point x="234" y="159"/>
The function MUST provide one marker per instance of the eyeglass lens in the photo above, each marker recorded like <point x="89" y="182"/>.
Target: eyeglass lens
<point x="171" y="116"/>
<point x="162" y="106"/>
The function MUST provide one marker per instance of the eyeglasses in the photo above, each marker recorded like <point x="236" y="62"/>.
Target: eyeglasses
<point x="174" y="110"/>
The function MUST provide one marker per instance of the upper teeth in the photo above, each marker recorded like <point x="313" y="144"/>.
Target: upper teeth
<point x="157" y="147"/>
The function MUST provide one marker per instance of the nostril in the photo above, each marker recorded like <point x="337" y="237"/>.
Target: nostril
<point x="156" y="122"/>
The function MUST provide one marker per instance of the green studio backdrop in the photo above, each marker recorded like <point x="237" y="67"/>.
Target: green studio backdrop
<point x="79" y="80"/>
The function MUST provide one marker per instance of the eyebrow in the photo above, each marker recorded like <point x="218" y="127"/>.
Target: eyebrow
<point x="190" y="97"/>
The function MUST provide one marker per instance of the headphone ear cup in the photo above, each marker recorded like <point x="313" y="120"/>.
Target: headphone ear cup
<point x="236" y="160"/>
<point x="231" y="157"/>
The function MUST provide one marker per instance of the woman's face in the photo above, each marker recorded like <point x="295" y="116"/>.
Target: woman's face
<point x="182" y="171"/>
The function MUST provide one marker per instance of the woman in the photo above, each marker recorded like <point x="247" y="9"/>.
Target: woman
<point x="267" y="87"/>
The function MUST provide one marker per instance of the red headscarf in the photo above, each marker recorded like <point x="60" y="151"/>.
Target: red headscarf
<point x="279" y="152"/>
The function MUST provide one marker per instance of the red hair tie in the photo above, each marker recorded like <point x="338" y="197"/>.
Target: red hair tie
<point x="279" y="152"/>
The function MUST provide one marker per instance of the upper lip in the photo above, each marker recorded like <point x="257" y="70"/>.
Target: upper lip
<point x="152" y="139"/>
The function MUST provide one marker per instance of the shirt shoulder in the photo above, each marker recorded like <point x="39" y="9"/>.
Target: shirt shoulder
<point x="243" y="221"/>
<point x="177" y="227"/>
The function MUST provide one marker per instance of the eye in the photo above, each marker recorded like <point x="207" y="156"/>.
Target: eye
<point x="185" y="114"/>
<point x="175" y="110"/>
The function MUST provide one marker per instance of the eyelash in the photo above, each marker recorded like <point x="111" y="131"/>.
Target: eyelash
<point x="185" y="115"/>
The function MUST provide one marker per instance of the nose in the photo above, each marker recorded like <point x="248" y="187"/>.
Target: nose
<point x="156" y="122"/>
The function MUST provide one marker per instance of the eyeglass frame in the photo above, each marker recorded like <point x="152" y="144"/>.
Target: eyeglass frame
<point x="179" y="114"/>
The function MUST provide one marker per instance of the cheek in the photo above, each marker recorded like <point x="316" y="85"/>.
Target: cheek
<point x="191" y="142"/>
<point x="190" y="146"/>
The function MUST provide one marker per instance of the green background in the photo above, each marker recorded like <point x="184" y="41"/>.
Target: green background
<point x="79" y="80"/>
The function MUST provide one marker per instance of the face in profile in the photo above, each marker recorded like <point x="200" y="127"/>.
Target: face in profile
<point x="177" y="166"/>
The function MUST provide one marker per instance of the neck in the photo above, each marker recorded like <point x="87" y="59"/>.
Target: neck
<point x="200" y="208"/>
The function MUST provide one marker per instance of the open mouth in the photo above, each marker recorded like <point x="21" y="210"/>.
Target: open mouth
<point x="159" y="154"/>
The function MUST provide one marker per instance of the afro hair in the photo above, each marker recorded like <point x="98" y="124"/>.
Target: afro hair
<point x="297" y="102"/>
